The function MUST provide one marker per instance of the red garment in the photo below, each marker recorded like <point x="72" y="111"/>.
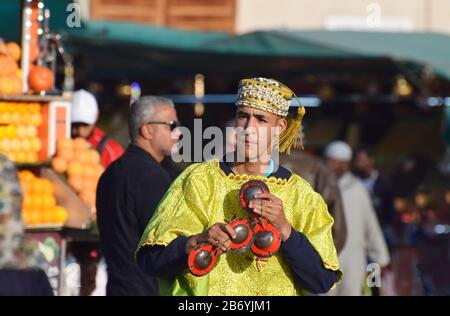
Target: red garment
<point x="111" y="151"/>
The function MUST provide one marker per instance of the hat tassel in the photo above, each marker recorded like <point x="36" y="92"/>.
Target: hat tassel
<point x="289" y="137"/>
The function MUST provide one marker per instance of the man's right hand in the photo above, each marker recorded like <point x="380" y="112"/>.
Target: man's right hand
<point x="219" y="235"/>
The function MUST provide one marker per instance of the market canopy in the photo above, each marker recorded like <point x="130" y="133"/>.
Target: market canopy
<point x="170" y="47"/>
<point x="112" y="49"/>
<point x="432" y="49"/>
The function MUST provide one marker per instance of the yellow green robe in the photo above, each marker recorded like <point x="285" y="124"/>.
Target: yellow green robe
<point x="204" y="195"/>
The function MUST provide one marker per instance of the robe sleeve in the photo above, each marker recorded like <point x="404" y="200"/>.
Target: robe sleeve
<point x="181" y="211"/>
<point x="318" y="230"/>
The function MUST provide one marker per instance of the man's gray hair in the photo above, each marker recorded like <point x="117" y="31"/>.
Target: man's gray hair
<point x="142" y="111"/>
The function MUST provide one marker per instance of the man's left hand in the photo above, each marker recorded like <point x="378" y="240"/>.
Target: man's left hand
<point x="270" y="207"/>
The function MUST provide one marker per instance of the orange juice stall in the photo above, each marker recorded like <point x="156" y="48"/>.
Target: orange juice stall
<point x="58" y="175"/>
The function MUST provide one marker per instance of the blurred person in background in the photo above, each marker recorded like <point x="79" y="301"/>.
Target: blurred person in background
<point x="129" y="191"/>
<point x="21" y="272"/>
<point x="380" y="190"/>
<point x="364" y="236"/>
<point x="84" y="116"/>
<point x="382" y="194"/>
<point x="323" y="181"/>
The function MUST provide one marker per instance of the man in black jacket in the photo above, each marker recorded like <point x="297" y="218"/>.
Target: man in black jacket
<point x="129" y="191"/>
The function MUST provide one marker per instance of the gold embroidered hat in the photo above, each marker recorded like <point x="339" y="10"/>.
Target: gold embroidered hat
<point x="274" y="97"/>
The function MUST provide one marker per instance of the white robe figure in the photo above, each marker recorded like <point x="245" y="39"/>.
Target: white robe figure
<point x="364" y="237"/>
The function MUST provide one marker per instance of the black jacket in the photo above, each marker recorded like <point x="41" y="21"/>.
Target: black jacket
<point x="24" y="283"/>
<point x="127" y="195"/>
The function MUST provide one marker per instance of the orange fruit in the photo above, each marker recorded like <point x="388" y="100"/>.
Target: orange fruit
<point x="26" y="216"/>
<point x="6" y="144"/>
<point x="26" y="118"/>
<point x="80" y="143"/>
<point x="99" y="169"/>
<point x="40" y="78"/>
<point x="48" y="216"/>
<point x="12" y="156"/>
<point x="37" y="200"/>
<point x="21" y="131"/>
<point x="36" y="119"/>
<point x="30" y="217"/>
<point x="20" y="108"/>
<point x="64" y="143"/>
<point x="60" y="214"/>
<point x="75" y="168"/>
<point x="88" y="197"/>
<point x="47" y="187"/>
<point x="31" y="157"/>
<point x="13" y="50"/>
<point x="27" y="202"/>
<point x="94" y="157"/>
<point x="90" y="185"/>
<point x="59" y="164"/>
<point x="41" y="217"/>
<point x="66" y="154"/>
<point x="15" y="118"/>
<point x="10" y="131"/>
<point x="34" y="107"/>
<point x="36" y="144"/>
<point x="26" y="175"/>
<point x="83" y="156"/>
<point x="48" y="202"/>
<point x="88" y="172"/>
<point x="26" y="187"/>
<point x="31" y="131"/>
<point x="15" y="145"/>
<point x="35" y="217"/>
<point x="25" y="144"/>
<point x="41" y="186"/>
<point x="6" y="119"/>
<point x="21" y="156"/>
<point x="76" y="182"/>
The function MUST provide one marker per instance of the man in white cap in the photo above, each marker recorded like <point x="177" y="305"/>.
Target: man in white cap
<point x="84" y="115"/>
<point x="364" y="236"/>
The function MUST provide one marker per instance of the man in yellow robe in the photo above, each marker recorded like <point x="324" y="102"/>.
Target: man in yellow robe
<point x="204" y="199"/>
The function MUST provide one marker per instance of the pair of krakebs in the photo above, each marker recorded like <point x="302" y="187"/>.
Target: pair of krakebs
<point x="255" y="233"/>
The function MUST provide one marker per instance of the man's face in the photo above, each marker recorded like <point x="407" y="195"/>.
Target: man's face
<point x="338" y="167"/>
<point x="82" y="130"/>
<point x="256" y="132"/>
<point x="162" y="138"/>
<point x="363" y="163"/>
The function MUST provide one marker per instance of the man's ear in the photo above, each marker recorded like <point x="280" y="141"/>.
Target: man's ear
<point x="282" y="124"/>
<point x="146" y="131"/>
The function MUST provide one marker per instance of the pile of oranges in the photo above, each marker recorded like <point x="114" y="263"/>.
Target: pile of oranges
<point x="19" y="123"/>
<point x="10" y="73"/>
<point x="81" y="164"/>
<point x="39" y="204"/>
